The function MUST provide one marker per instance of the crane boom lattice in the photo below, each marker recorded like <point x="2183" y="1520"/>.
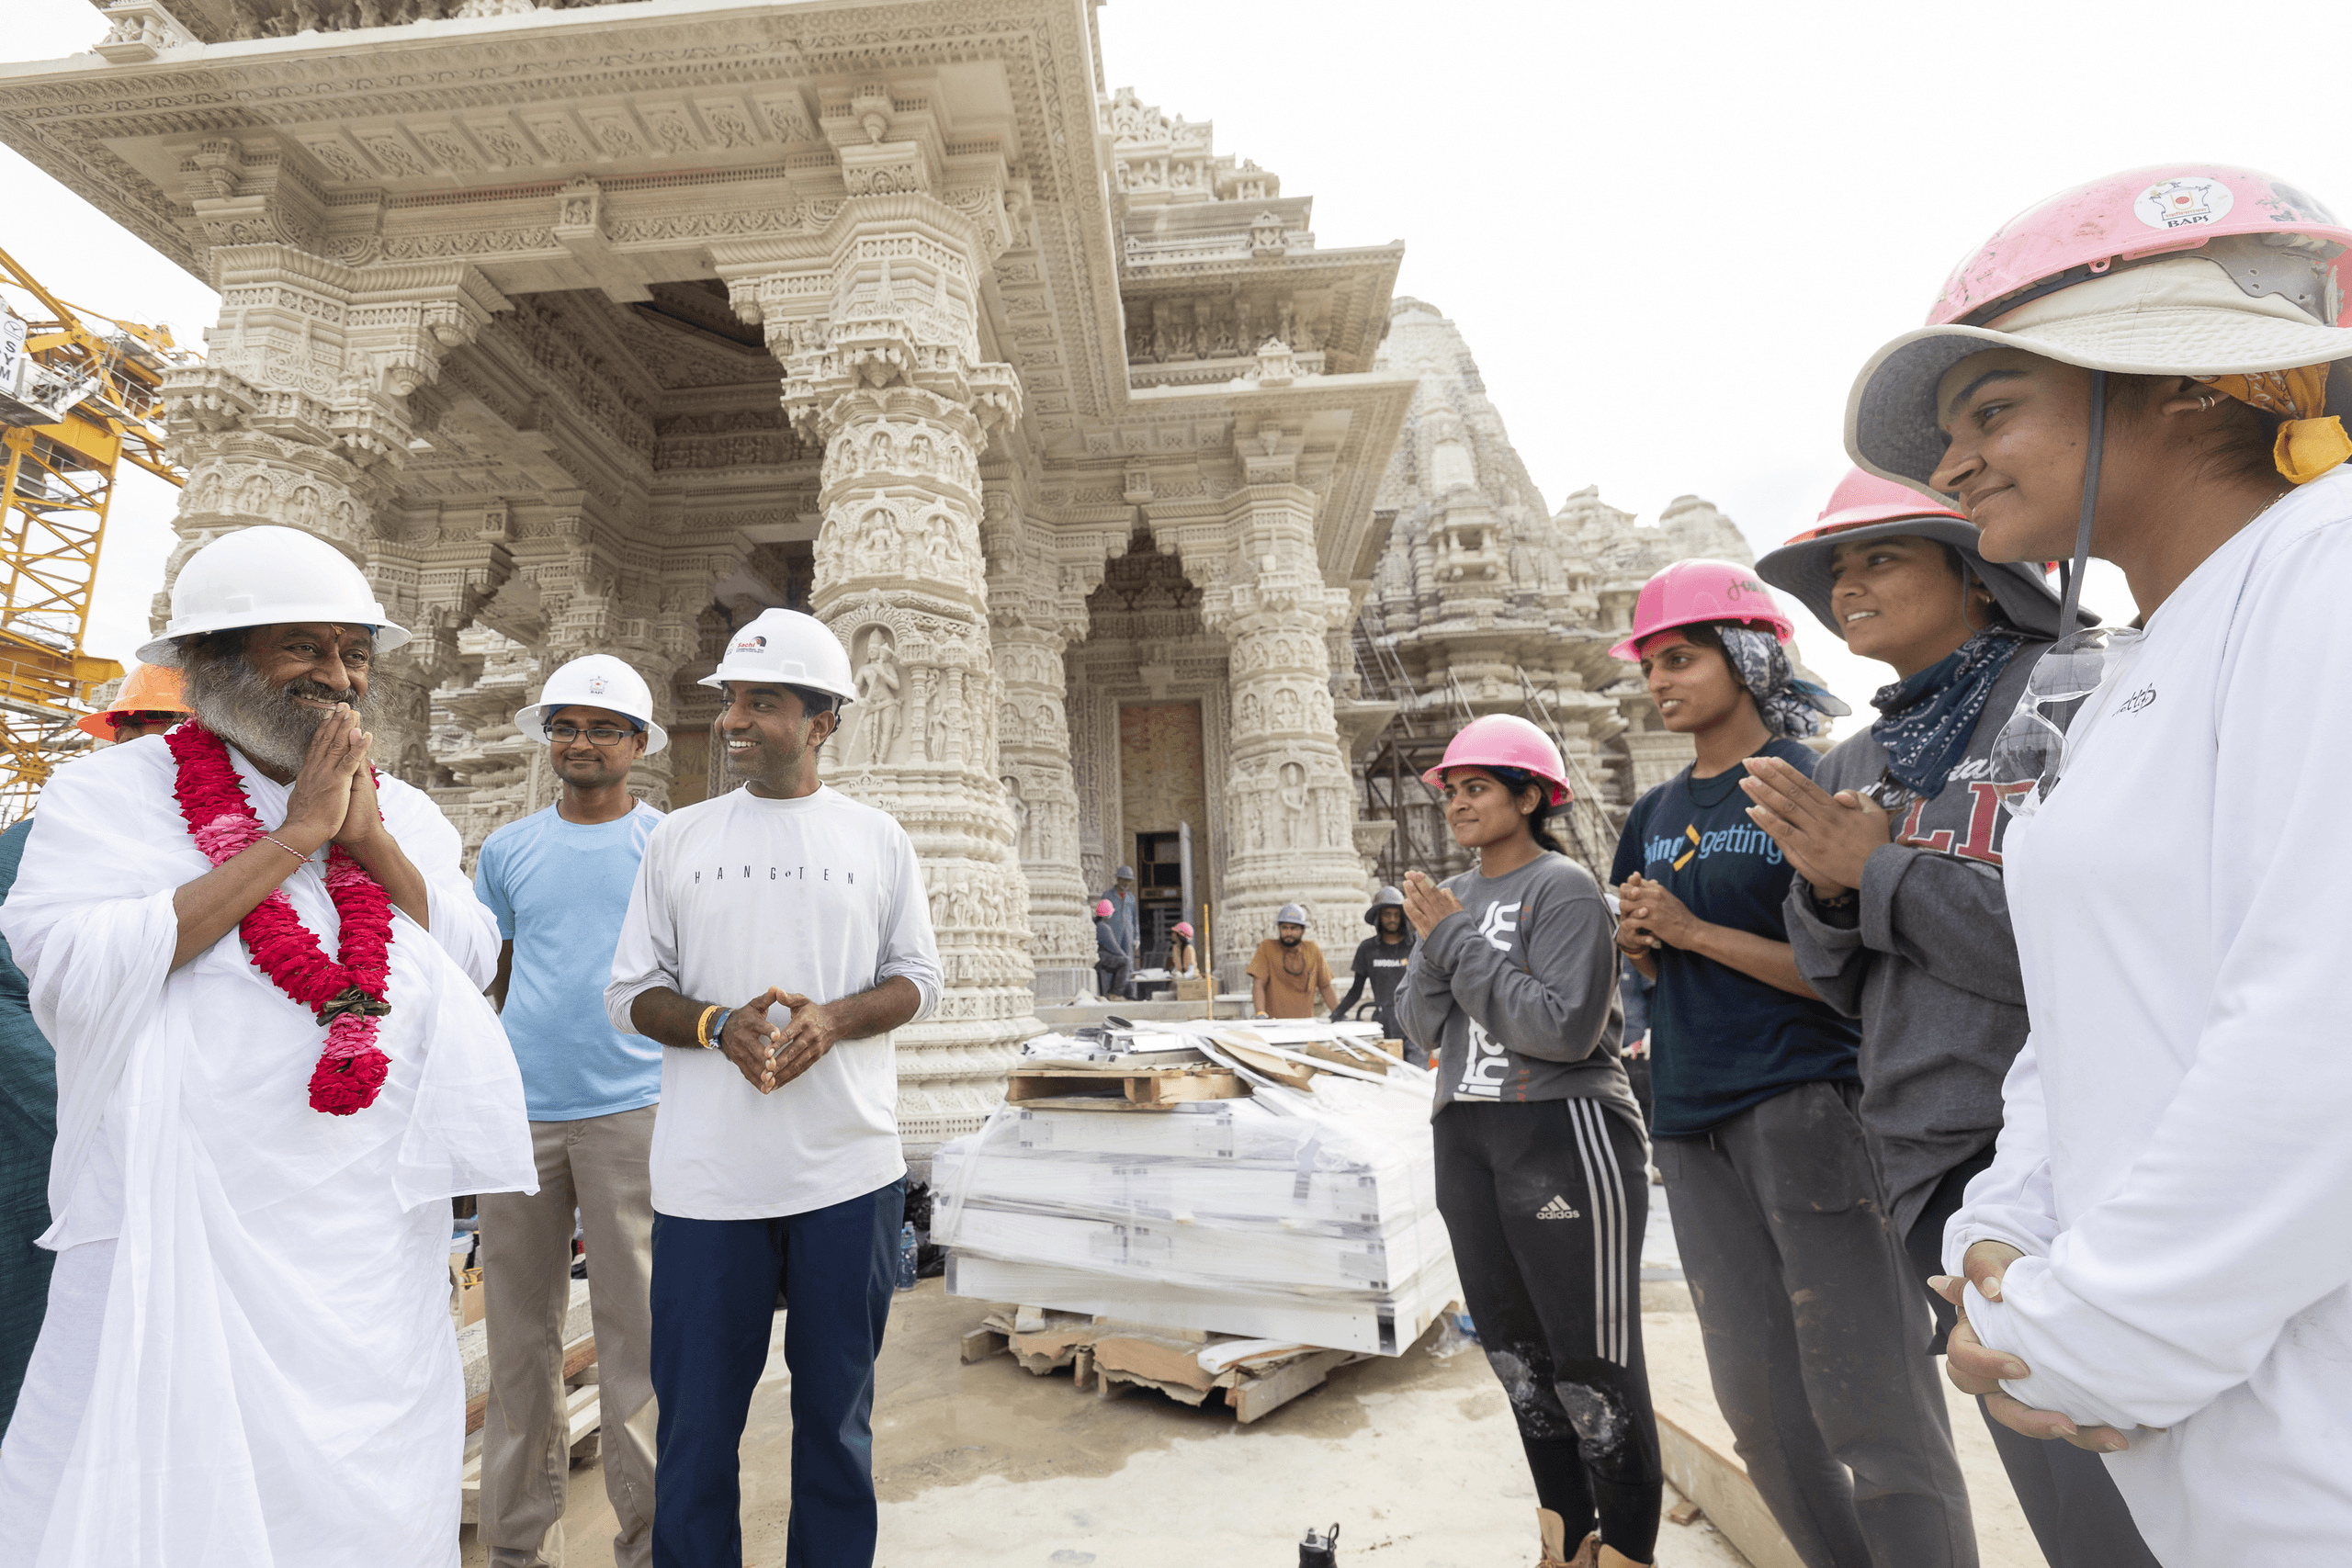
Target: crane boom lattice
<point x="76" y="402"/>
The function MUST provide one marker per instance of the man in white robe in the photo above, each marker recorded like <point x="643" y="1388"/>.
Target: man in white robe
<point x="247" y="1357"/>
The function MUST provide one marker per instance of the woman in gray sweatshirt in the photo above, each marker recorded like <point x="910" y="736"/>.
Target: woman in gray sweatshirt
<point x="1898" y="916"/>
<point x="1541" y="1156"/>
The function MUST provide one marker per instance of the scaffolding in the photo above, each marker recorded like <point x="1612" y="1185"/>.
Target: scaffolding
<point x="1411" y="744"/>
<point x="76" y="403"/>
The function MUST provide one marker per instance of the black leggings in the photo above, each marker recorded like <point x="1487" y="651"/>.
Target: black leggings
<point x="1546" y="1203"/>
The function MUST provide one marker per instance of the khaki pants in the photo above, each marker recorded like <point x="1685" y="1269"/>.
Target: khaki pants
<point x="598" y="1164"/>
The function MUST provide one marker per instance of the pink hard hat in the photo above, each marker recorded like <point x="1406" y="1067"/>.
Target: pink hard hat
<point x="1505" y="740"/>
<point x="1692" y="592"/>
<point x="1101" y="908"/>
<point x="2187" y="269"/>
<point x="1184" y="929"/>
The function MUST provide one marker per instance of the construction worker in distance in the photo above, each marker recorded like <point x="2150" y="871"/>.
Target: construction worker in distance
<point x="1183" y="960"/>
<point x="1541" y="1155"/>
<point x="1111" y="965"/>
<point x="2157" y="1264"/>
<point x="1380" y="965"/>
<point x="1898" y="915"/>
<point x="559" y="881"/>
<point x="1813" y="1322"/>
<point x="776" y="936"/>
<point x="148" y="703"/>
<point x="1128" y="915"/>
<point x="1288" y="972"/>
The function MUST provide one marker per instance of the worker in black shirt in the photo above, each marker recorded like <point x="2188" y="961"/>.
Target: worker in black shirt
<point x="1380" y="964"/>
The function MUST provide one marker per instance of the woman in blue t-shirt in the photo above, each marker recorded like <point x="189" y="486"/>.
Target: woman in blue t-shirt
<point x="1814" y="1330"/>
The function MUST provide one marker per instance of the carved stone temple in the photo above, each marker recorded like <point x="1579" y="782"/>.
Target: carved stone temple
<point x="1157" y="533"/>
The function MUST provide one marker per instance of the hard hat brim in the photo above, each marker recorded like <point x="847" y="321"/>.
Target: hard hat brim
<point x="763" y="675"/>
<point x="1891" y="424"/>
<point x="1802" y="570"/>
<point x="165" y="650"/>
<point x="532" y="720"/>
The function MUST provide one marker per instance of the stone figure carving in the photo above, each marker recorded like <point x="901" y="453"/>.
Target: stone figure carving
<point x="1286" y="711"/>
<point x="1292" y="791"/>
<point x="1025" y="834"/>
<point x="875" y="741"/>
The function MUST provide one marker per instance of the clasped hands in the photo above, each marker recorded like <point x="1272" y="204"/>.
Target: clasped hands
<point x="1975" y="1368"/>
<point x="334" y="798"/>
<point x="1426" y="903"/>
<point x="769" y="1057"/>
<point x="1828" y="838"/>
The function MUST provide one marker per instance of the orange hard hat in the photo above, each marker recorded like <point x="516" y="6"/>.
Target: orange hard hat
<point x="149" y="688"/>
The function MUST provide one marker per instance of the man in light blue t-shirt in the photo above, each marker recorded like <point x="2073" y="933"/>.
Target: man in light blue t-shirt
<point x="559" y="881"/>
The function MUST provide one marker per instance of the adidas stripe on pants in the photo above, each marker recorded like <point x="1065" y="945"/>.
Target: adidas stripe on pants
<point x="1545" y="1202"/>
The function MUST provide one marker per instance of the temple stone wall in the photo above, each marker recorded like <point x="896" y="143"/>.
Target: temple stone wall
<point x="604" y="329"/>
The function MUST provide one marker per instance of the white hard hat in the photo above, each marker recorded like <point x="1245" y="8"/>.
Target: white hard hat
<point x="268" y="576"/>
<point x="785" y="648"/>
<point x="596" y="680"/>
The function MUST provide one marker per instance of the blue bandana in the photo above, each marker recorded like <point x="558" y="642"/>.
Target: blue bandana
<point x="1925" y="722"/>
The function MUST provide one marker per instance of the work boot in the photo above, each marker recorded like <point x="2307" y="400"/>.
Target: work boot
<point x="1613" y="1558"/>
<point x="1555" y="1532"/>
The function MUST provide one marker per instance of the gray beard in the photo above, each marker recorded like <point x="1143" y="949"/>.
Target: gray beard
<point x="236" y="702"/>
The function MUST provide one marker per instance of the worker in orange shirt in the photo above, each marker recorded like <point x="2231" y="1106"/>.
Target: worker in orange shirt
<point x="1287" y="973"/>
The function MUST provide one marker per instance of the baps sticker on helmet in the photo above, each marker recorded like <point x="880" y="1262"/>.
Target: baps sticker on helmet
<point x="595" y="685"/>
<point x="2189" y="202"/>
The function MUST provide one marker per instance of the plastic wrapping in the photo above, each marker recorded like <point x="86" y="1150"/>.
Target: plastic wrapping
<point x="1301" y="1214"/>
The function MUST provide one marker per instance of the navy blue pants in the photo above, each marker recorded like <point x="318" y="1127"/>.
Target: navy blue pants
<point x="715" y="1287"/>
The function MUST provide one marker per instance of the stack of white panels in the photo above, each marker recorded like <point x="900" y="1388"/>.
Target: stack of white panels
<point x="1302" y="1215"/>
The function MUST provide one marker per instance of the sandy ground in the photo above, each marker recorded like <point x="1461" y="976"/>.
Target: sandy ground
<point x="986" y="1466"/>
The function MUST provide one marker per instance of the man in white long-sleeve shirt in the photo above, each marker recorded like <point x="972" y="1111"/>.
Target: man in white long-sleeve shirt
<point x="776" y="935"/>
<point x="247" y="1356"/>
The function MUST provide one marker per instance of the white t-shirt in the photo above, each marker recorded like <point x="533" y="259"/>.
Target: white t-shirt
<point x="2174" y="1156"/>
<point x="819" y="895"/>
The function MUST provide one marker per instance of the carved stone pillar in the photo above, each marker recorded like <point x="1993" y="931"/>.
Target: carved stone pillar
<point x="877" y="333"/>
<point x="1290" y="801"/>
<point x="302" y="413"/>
<point x="1032" y="618"/>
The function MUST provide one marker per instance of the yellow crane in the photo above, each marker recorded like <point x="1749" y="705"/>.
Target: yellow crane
<point x="76" y="402"/>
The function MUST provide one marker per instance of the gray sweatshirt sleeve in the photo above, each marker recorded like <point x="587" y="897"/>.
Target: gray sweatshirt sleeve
<point x="1556" y="1018"/>
<point x="1426" y="997"/>
<point x="1828" y="945"/>
<point x="1948" y="916"/>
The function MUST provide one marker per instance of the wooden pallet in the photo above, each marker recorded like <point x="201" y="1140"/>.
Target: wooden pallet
<point x="1111" y="1084"/>
<point x="1111" y="1360"/>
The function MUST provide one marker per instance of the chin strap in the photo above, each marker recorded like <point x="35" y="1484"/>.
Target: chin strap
<point x="2070" y="576"/>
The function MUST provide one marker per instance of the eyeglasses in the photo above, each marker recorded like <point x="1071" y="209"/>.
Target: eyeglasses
<point x="2032" y="745"/>
<point x="602" y="734"/>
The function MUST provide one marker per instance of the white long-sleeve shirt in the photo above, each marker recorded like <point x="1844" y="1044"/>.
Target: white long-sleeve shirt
<point x="276" y="1384"/>
<point x="2176" y="1155"/>
<point x="819" y="895"/>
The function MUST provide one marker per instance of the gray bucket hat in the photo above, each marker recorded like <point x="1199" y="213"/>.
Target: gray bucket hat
<point x="1801" y="568"/>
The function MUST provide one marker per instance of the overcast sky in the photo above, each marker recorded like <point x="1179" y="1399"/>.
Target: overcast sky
<point x="1671" y="233"/>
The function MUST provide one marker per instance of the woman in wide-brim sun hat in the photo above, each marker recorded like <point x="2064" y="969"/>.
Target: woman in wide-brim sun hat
<point x="1898" y="916"/>
<point x="2142" y="369"/>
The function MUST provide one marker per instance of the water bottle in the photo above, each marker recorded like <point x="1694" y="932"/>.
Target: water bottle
<point x="1319" y="1550"/>
<point x="907" y="1256"/>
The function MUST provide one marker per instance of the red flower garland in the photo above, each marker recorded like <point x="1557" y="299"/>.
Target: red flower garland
<point x="345" y="994"/>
